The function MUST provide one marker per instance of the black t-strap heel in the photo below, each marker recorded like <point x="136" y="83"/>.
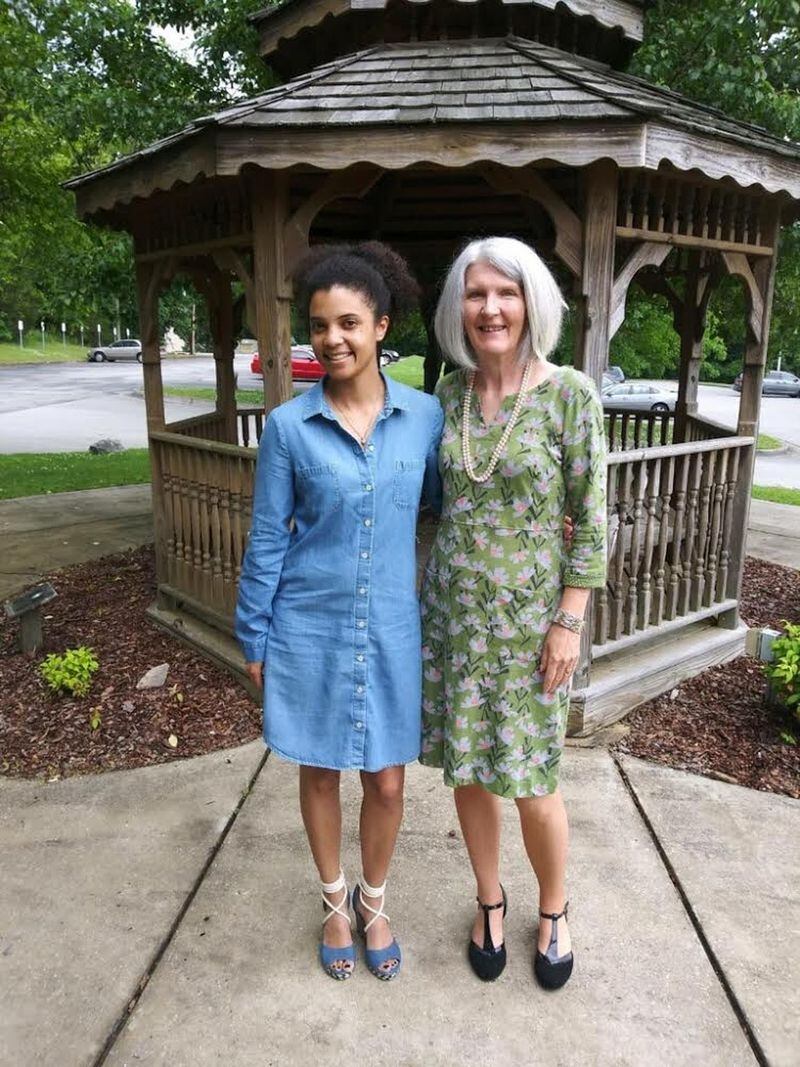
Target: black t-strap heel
<point x="488" y="962"/>
<point x="551" y="970"/>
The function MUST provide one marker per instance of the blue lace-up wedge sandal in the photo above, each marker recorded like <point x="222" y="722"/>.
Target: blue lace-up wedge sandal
<point x="376" y="957"/>
<point x="551" y="970"/>
<point x="488" y="962"/>
<point x="335" y="960"/>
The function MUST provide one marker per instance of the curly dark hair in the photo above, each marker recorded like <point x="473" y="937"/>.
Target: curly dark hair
<point x="370" y="268"/>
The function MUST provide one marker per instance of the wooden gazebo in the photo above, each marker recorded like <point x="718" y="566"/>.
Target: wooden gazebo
<point x="425" y="123"/>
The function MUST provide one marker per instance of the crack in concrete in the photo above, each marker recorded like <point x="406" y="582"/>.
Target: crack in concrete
<point x="722" y="978"/>
<point x="149" y="971"/>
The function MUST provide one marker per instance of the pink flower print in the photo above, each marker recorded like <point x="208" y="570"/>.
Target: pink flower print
<point x="484" y="744"/>
<point x="462" y="722"/>
<point x="518" y="774"/>
<point x="473" y="620"/>
<point x="520" y="506"/>
<point x="489" y="683"/>
<point x="520" y="556"/>
<point x="531" y="729"/>
<point x="454" y="628"/>
<point x="474" y="700"/>
<point x="463" y="744"/>
<point x="506" y="631"/>
<point x="494" y="505"/>
<point x="540" y="790"/>
<point x="553" y="723"/>
<point x="503" y="596"/>
<point x="504" y="767"/>
<point x="543" y="557"/>
<point x="481" y="726"/>
<point x="433" y="674"/>
<point x="428" y="706"/>
<point x="524" y="658"/>
<point x="466" y="685"/>
<point x="480" y="539"/>
<point x="427" y="745"/>
<point x="506" y="734"/>
<point x="537" y="759"/>
<point x="458" y="662"/>
<point x="524" y="575"/>
<point x="463" y="773"/>
<point x="462" y="504"/>
<point x="427" y="652"/>
<point x="460" y="560"/>
<point x="496" y="551"/>
<point x="486" y="776"/>
<point x="537" y="528"/>
<point x="547" y="698"/>
<point x="467" y="599"/>
<point x="578" y="465"/>
<point x="499" y="576"/>
<point x="510" y="469"/>
<point x="503" y="708"/>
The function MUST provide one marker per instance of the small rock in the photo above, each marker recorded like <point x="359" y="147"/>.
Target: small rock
<point x="154" y="678"/>
<point x="105" y="445"/>
<point x="127" y="706"/>
<point x="674" y="694"/>
<point x="172" y="741"/>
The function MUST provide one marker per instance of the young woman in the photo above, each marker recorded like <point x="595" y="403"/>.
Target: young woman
<point x="327" y="615"/>
<point x="504" y="594"/>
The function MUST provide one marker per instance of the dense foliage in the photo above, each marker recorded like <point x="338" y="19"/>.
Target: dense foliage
<point x="83" y="81"/>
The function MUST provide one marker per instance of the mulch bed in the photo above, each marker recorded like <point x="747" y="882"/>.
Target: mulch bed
<point x="717" y="723"/>
<point x="101" y="604"/>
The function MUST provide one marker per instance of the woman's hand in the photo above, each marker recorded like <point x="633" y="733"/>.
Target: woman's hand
<point x="559" y="657"/>
<point x="255" y="672"/>
<point x="569" y="531"/>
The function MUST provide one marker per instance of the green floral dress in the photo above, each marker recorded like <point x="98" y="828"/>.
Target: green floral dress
<point x="495" y="577"/>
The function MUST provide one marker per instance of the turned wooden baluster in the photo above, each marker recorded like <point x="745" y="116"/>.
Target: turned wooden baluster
<point x="676" y="548"/>
<point x="693" y="498"/>
<point x="216" y="537"/>
<point x="664" y="504"/>
<point x="237" y="532"/>
<point x="206" y="470"/>
<point x="618" y="568"/>
<point x="714" y="540"/>
<point x="703" y="524"/>
<point x="601" y="596"/>
<point x="652" y="489"/>
<point x="634" y="561"/>
<point x="727" y="523"/>
<point x="194" y="497"/>
<point x="169" y="510"/>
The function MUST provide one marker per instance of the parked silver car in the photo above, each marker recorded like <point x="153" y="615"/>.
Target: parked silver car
<point x="776" y="383"/>
<point x="638" y="396"/>
<point x="129" y="348"/>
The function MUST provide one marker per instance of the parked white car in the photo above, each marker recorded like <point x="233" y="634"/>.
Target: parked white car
<point x="638" y="396"/>
<point x="128" y="348"/>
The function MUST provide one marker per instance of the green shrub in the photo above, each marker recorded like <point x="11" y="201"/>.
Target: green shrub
<point x="784" y="670"/>
<point x="70" y="673"/>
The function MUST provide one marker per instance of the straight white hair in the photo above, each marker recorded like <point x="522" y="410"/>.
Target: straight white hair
<point x="544" y="305"/>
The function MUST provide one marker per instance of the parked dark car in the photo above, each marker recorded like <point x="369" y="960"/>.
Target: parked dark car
<point x="118" y="350"/>
<point x="776" y="383"/>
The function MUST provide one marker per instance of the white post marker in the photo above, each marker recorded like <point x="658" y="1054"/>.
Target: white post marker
<point x="21" y="329"/>
<point x="81" y="329"/>
<point x="64" y="334"/>
<point x="99" y="336"/>
<point x="41" y="327"/>
<point x="114" y="332"/>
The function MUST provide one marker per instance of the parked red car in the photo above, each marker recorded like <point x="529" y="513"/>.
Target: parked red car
<point x="304" y="366"/>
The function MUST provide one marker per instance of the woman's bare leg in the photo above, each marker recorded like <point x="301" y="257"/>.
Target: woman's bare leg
<point x="545" y="832"/>
<point x="479" y="816"/>
<point x="381" y="815"/>
<point x="322" y="817"/>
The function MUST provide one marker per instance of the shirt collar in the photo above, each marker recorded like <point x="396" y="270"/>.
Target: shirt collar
<point x="314" y="402"/>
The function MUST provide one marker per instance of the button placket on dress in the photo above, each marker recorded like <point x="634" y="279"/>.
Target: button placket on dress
<point x="365" y="458"/>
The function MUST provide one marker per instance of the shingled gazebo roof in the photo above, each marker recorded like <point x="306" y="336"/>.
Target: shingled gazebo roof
<point x="537" y="101"/>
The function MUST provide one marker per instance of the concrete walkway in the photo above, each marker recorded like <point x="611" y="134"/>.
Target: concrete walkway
<point x="170" y="916"/>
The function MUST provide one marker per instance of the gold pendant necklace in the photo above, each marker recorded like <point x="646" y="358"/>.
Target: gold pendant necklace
<point x="361" y="436"/>
<point x="500" y="447"/>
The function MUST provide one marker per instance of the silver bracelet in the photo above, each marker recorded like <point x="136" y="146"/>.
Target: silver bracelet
<point x="573" y="623"/>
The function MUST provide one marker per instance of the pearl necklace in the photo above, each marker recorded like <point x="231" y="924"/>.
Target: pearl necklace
<point x="500" y="447"/>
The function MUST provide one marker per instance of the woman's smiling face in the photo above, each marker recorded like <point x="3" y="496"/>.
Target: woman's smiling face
<point x="344" y="332"/>
<point x="494" y="312"/>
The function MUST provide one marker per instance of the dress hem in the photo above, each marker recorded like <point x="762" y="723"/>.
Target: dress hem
<point x="452" y="784"/>
<point x="303" y="762"/>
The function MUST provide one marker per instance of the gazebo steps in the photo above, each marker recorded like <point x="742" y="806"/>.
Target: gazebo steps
<point x="623" y="680"/>
<point x="202" y="637"/>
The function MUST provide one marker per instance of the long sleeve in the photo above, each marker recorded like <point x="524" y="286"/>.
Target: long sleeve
<point x="273" y="507"/>
<point x="584" y="464"/>
<point x="432" y="482"/>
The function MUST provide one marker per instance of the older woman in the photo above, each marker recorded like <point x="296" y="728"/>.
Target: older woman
<point x="504" y="597"/>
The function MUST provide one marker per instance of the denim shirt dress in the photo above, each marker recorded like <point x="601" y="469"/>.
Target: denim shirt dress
<point x="327" y="594"/>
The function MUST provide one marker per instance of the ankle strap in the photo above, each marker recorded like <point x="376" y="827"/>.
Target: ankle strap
<point x="372" y="891"/>
<point x="489" y="907"/>
<point x="555" y="916"/>
<point x="334" y="887"/>
<point x="364" y="889"/>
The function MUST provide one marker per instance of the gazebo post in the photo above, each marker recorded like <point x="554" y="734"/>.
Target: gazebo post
<point x="149" y="277"/>
<point x="692" y="321"/>
<point x="221" y="318"/>
<point x="272" y="289"/>
<point x="593" y="322"/>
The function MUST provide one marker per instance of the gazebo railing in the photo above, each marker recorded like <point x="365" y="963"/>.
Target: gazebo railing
<point x="207" y="493"/>
<point x="251" y="424"/>
<point x="670" y="552"/>
<point x="637" y="429"/>
<point x="210" y="426"/>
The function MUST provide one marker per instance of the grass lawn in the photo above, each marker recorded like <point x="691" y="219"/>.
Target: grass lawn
<point x="36" y="473"/>
<point x="766" y="443"/>
<point x="777" y="494"/>
<point x="246" y="397"/>
<point x="53" y="352"/>
<point x="409" y="371"/>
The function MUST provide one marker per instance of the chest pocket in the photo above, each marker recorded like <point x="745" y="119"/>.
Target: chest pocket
<point x="407" y="485"/>
<point x="318" y="489"/>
